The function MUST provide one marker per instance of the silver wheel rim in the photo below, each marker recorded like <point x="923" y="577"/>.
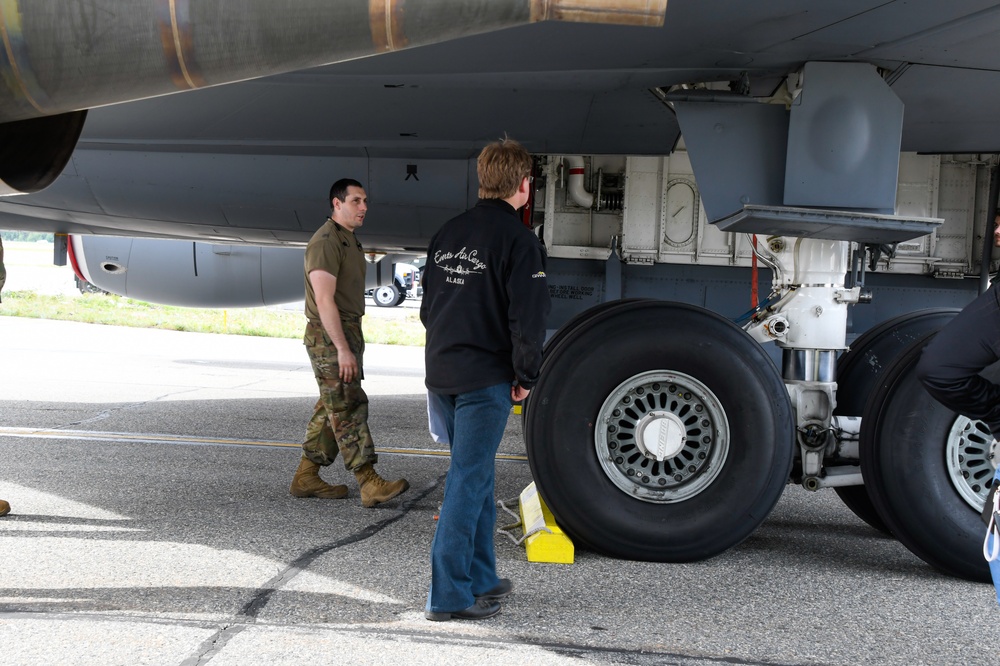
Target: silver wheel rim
<point x="662" y="437"/>
<point x="385" y="295"/>
<point x="968" y="459"/>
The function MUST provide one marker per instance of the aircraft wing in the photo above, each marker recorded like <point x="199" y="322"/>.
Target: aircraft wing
<point x="251" y="162"/>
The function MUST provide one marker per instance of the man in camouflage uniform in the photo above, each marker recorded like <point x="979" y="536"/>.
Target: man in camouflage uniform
<point x="335" y="303"/>
<point x="4" y="506"/>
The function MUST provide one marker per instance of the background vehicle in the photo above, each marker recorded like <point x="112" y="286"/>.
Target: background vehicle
<point x="405" y="284"/>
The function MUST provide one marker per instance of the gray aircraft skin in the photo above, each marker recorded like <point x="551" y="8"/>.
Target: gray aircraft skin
<point x="251" y="162"/>
<point x="402" y="96"/>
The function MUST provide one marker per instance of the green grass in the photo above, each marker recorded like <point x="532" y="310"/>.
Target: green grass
<point x="263" y="322"/>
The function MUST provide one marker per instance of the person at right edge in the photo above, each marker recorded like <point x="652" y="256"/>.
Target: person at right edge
<point x="484" y="307"/>
<point x="950" y="364"/>
<point x="4" y="506"/>
<point x="949" y="370"/>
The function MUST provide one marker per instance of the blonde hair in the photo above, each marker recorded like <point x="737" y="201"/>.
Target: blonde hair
<point x="501" y="166"/>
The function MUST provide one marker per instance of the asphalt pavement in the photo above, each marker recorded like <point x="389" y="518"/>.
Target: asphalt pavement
<point x="148" y="473"/>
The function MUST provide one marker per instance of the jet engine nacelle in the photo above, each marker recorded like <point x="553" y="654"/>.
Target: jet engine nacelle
<point x="34" y="152"/>
<point x="191" y="274"/>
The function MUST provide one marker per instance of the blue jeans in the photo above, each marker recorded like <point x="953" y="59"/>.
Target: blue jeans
<point x="463" y="561"/>
<point x="991" y="546"/>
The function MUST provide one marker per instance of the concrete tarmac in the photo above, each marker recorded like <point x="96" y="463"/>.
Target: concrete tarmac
<point x="148" y="473"/>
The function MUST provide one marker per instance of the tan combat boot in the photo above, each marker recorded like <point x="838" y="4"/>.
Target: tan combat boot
<point x="306" y="483"/>
<point x="4" y="508"/>
<point x="375" y="489"/>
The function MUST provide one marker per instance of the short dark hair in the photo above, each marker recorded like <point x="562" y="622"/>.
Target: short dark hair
<point x="339" y="189"/>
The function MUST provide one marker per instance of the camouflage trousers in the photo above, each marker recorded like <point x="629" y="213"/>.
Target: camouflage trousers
<point x="340" y="418"/>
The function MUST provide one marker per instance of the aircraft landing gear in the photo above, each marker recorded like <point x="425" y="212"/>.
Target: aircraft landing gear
<point x="659" y="431"/>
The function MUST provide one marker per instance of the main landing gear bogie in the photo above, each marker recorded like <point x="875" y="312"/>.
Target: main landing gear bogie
<point x="658" y="431"/>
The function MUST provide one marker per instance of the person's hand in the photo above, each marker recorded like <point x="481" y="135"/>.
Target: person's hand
<point x="518" y="393"/>
<point x="348" y="363"/>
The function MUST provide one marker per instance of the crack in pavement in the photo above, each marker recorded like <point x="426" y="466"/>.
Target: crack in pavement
<point x="248" y="614"/>
<point x="107" y="413"/>
<point x="632" y="655"/>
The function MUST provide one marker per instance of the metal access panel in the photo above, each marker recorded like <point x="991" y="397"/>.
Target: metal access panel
<point x="844" y="135"/>
<point x="737" y="149"/>
<point x="664" y="219"/>
<point x="843" y="225"/>
<point x="956" y="189"/>
<point x="643" y="214"/>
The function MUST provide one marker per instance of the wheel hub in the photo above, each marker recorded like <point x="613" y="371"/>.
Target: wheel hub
<point x="663" y="436"/>
<point x="968" y="459"/>
<point x="660" y="435"/>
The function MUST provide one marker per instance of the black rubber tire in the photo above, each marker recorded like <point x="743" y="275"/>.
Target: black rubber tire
<point x="857" y="374"/>
<point x="624" y="341"/>
<point x="904" y="433"/>
<point x="582" y="318"/>
<point x="566" y="330"/>
<point x="387" y="296"/>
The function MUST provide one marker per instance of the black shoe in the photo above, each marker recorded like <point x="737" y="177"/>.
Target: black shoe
<point x="482" y="609"/>
<point x="499" y="591"/>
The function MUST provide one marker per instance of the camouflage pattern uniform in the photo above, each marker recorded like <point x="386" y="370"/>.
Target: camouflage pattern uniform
<point x="340" y="418"/>
<point x="342" y="406"/>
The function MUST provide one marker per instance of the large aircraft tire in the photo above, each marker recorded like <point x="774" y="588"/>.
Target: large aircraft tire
<point x="857" y="374"/>
<point x="924" y="472"/>
<point x="665" y="368"/>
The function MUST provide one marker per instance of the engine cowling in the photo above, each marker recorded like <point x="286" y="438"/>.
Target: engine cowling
<point x="190" y="273"/>
<point x="34" y="152"/>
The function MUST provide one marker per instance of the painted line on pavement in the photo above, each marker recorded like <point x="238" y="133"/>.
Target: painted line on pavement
<point x="159" y="438"/>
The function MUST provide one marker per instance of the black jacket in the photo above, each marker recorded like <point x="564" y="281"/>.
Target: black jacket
<point x="485" y="301"/>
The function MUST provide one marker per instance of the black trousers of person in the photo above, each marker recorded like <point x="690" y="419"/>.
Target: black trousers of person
<point x="950" y="365"/>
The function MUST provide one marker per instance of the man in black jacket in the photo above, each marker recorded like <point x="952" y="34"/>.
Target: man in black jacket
<point x="950" y="364"/>
<point x="484" y="307"/>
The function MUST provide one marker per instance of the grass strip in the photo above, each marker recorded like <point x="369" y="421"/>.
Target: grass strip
<point x="262" y="322"/>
